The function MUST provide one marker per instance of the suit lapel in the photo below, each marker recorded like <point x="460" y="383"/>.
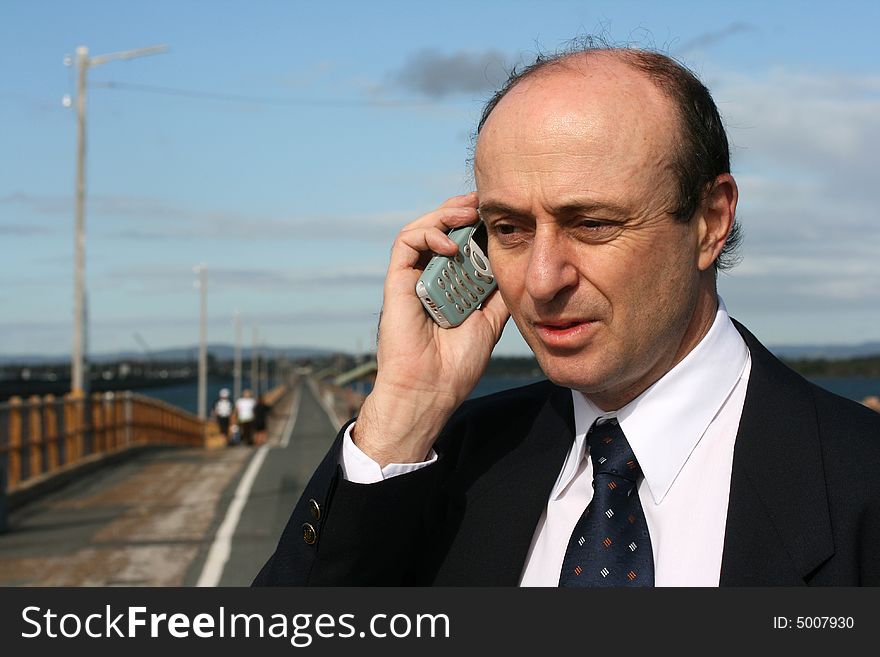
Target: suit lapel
<point x="778" y="522"/>
<point x="498" y="506"/>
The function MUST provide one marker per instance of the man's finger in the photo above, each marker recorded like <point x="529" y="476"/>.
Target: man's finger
<point x="495" y="311"/>
<point x="412" y="240"/>
<point x="462" y="200"/>
<point x="446" y="218"/>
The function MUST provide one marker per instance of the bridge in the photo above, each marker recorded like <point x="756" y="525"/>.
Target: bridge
<point x="146" y="495"/>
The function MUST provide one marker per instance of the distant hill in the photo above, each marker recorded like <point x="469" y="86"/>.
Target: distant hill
<point x="225" y="352"/>
<point x="218" y="351"/>
<point x="828" y="352"/>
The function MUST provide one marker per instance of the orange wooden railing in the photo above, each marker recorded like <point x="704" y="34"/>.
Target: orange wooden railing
<point x="40" y="435"/>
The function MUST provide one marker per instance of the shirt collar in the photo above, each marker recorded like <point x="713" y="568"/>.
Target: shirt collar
<point x="666" y="422"/>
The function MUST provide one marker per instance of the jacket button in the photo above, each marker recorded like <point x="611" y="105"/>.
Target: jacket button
<point x="309" y="534"/>
<point x="315" y="509"/>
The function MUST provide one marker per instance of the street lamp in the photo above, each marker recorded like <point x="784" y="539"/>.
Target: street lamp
<point x="202" y="285"/>
<point x="78" y="381"/>
<point x="236" y="368"/>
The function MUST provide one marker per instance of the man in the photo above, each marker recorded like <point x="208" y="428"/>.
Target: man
<point x="244" y="416"/>
<point x="222" y="411"/>
<point x="603" y="179"/>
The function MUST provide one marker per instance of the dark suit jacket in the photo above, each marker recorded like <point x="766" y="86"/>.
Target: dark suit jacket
<point x="804" y="496"/>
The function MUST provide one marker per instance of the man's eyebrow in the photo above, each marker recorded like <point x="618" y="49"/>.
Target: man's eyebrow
<point x="592" y="207"/>
<point x="495" y="207"/>
<point x="565" y="209"/>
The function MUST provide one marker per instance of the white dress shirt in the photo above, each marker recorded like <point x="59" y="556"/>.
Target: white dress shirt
<point x="682" y="430"/>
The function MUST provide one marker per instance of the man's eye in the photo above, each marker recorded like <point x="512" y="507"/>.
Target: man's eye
<point x="503" y="228"/>
<point x="598" y="230"/>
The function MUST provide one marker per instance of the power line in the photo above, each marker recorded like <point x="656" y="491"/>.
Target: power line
<point x="259" y="100"/>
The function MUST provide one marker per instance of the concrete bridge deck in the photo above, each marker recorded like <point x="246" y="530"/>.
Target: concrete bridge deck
<point x="172" y="516"/>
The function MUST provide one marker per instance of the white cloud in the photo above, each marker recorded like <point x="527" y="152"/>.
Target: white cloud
<point x="803" y="149"/>
<point x="164" y="278"/>
<point x="810" y="123"/>
<point x="143" y="218"/>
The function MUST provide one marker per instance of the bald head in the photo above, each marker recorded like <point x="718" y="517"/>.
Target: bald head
<point x="698" y="149"/>
<point x="599" y="111"/>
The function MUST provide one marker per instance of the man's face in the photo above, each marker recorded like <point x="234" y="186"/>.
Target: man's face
<point x="574" y="177"/>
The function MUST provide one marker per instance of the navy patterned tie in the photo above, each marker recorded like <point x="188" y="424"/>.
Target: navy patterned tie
<point x="610" y="545"/>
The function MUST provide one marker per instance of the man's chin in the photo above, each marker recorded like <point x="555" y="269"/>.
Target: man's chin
<point x="578" y="376"/>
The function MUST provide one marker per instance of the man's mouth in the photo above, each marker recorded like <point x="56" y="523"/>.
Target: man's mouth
<point x="560" y="326"/>
<point x="566" y="333"/>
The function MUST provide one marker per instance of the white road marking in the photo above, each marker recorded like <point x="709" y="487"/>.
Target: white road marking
<point x="221" y="548"/>
<point x="218" y="555"/>
<point x="331" y="414"/>
<point x="291" y="419"/>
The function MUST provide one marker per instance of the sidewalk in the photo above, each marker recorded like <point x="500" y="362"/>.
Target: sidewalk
<point x="144" y="522"/>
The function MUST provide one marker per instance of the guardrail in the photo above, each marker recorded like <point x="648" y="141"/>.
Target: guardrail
<point x="341" y="402"/>
<point x="40" y="436"/>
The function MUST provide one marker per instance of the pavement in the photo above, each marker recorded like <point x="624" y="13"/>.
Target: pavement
<point x="160" y="517"/>
<point x="277" y="487"/>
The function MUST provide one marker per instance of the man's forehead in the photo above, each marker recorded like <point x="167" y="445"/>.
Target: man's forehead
<point x="596" y="130"/>
<point x="585" y="87"/>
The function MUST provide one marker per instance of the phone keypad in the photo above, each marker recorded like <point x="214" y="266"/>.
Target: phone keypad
<point x="460" y="282"/>
<point x="462" y="293"/>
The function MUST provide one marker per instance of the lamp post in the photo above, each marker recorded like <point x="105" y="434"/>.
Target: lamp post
<point x="202" y="284"/>
<point x="255" y="362"/>
<point x="78" y="382"/>
<point x="236" y="367"/>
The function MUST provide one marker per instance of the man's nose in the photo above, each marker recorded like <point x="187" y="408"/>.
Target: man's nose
<point x="551" y="269"/>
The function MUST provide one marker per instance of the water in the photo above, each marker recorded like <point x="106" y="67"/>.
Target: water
<point x="185" y="395"/>
<point x="855" y="387"/>
<point x="851" y="387"/>
<point x="489" y="384"/>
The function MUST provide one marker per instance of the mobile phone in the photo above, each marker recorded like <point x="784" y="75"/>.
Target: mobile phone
<point x="451" y="288"/>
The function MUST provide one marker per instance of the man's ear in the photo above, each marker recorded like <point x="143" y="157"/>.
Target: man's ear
<point x="716" y="219"/>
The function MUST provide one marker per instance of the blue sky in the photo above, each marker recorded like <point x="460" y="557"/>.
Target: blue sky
<point x="284" y="143"/>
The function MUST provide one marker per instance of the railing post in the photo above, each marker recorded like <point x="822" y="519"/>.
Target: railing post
<point x="35" y="440"/>
<point x="14" y="474"/>
<point x="129" y="416"/>
<point x="119" y="418"/>
<point x="71" y="428"/>
<point x="50" y="432"/>
<point x="3" y="524"/>
<point x="109" y="419"/>
<point x="97" y="416"/>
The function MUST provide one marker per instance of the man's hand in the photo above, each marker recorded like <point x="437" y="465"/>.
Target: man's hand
<point x="425" y="372"/>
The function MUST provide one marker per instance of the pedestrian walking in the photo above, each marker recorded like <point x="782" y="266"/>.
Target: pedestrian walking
<point x="222" y="412"/>
<point x="244" y="416"/>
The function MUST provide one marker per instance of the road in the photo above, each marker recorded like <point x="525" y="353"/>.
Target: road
<point x="171" y="517"/>
<point x="278" y="483"/>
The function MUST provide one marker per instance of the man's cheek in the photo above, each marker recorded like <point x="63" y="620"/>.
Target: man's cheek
<point x="511" y="300"/>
